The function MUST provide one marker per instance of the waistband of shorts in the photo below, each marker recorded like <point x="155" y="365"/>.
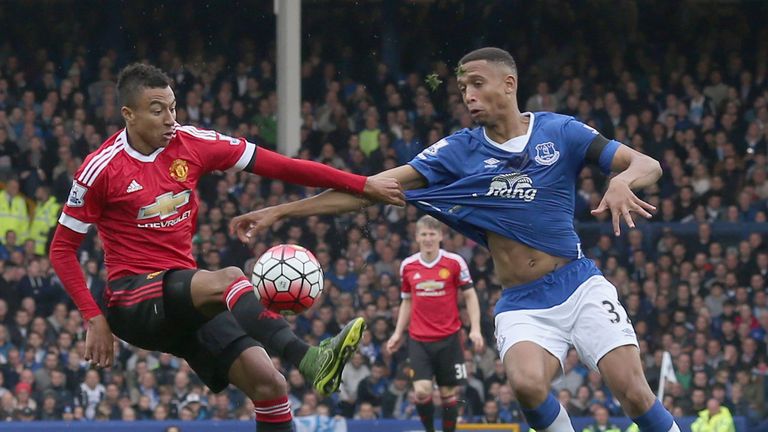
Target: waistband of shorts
<point x="548" y="291"/>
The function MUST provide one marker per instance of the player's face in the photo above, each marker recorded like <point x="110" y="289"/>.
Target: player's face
<point x="487" y="90"/>
<point x="153" y="117"/>
<point x="428" y="239"/>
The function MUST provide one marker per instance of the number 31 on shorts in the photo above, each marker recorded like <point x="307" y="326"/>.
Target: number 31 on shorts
<point x="461" y="370"/>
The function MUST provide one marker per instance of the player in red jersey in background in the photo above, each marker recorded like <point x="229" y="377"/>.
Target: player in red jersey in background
<point x="431" y="280"/>
<point x="138" y="188"/>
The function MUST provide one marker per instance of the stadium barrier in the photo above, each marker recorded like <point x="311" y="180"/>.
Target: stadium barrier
<point x="312" y="425"/>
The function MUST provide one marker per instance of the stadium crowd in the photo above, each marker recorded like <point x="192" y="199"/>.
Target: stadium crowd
<point x="701" y="109"/>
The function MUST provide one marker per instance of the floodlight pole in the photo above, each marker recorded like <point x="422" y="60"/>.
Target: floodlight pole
<point x="288" y="75"/>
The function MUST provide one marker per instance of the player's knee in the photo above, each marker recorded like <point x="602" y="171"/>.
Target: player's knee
<point x="422" y="390"/>
<point x="422" y="396"/>
<point x="231" y="274"/>
<point x="271" y="386"/>
<point x="531" y="390"/>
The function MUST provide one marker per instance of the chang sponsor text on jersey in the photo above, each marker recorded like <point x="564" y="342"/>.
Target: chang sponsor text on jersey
<point x="523" y="189"/>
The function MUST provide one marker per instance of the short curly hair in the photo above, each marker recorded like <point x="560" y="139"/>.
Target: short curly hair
<point x="136" y="77"/>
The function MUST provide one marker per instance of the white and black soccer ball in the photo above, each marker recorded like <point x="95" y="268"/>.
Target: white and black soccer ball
<point x="287" y="278"/>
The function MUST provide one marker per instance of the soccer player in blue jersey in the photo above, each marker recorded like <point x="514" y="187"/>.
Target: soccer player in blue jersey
<point x="509" y="184"/>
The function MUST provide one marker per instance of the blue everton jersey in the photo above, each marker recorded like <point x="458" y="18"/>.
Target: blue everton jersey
<point x="523" y="189"/>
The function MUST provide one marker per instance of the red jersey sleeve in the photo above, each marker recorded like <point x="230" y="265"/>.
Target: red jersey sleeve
<point x="86" y="197"/>
<point x="405" y="287"/>
<point x="216" y="151"/>
<point x="463" y="278"/>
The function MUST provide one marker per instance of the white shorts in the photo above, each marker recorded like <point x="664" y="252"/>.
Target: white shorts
<point x="591" y="319"/>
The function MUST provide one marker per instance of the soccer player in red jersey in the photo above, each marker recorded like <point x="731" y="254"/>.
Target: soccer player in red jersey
<point x="431" y="280"/>
<point x="138" y="188"/>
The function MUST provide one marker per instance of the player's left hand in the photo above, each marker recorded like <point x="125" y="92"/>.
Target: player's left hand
<point x="384" y="189"/>
<point x="621" y="201"/>
<point x="478" y="343"/>
<point x="248" y="225"/>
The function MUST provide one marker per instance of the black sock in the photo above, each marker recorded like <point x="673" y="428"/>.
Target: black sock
<point x="426" y="412"/>
<point x="265" y="326"/>
<point x="294" y="348"/>
<point x="450" y="413"/>
<point x="274" y="427"/>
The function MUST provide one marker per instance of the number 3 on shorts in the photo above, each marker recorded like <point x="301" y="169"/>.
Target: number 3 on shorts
<point x="612" y="310"/>
<point x="461" y="371"/>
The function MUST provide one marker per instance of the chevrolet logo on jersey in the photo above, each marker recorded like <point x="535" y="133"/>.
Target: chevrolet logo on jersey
<point x="165" y="205"/>
<point x="430" y="288"/>
<point x="430" y="285"/>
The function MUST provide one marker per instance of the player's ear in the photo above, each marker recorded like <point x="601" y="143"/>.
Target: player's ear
<point x="127" y="113"/>
<point x="510" y="84"/>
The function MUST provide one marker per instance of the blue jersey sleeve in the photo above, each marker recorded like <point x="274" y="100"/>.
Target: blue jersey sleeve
<point x="433" y="163"/>
<point x="579" y="136"/>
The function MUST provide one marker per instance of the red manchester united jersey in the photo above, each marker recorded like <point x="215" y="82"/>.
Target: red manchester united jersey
<point x="145" y="206"/>
<point x="433" y="288"/>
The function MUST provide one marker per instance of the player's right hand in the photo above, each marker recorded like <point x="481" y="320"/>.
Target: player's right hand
<point x="99" y="342"/>
<point x="385" y="189"/>
<point x="248" y="225"/>
<point x="394" y="342"/>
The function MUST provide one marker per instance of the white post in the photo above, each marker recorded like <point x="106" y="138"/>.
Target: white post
<point x="667" y="374"/>
<point x="288" y="75"/>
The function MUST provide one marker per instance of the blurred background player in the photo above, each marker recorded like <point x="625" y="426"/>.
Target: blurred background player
<point x="137" y="188"/>
<point x="431" y="280"/>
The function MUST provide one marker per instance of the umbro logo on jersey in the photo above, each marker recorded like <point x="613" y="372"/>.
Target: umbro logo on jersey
<point x="134" y="186"/>
<point x="491" y="162"/>
<point x="514" y="185"/>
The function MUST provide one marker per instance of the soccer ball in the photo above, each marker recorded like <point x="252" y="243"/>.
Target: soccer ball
<point x="287" y="278"/>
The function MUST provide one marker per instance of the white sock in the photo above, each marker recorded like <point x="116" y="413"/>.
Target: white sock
<point x="674" y="428"/>
<point x="562" y="423"/>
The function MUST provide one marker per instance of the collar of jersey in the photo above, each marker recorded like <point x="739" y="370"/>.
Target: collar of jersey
<point x="132" y="152"/>
<point x="434" y="262"/>
<point x="516" y="144"/>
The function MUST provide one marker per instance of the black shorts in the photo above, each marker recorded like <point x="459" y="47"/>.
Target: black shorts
<point x="443" y="359"/>
<point x="137" y="309"/>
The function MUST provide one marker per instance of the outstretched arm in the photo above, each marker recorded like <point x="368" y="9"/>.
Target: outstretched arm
<point x="328" y="202"/>
<point x="636" y="172"/>
<point x="308" y="173"/>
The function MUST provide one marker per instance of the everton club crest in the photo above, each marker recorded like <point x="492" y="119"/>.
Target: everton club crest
<point x="546" y="153"/>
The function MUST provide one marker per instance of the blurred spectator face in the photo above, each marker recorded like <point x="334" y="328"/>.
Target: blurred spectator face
<point x="128" y="414"/>
<point x="22" y="318"/>
<point x="181" y="380"/>
<point x="57" y="379"/>
<point x="601" y="416"/>
<point x="491" y="410"/>
<point x="366" y="412"/>
<point x="698" y="398"/>
<point x="91" y="378"/>
<point x="186" y="414"/>
<point x="700" y="380"/>
<point x="505" y="395"/>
